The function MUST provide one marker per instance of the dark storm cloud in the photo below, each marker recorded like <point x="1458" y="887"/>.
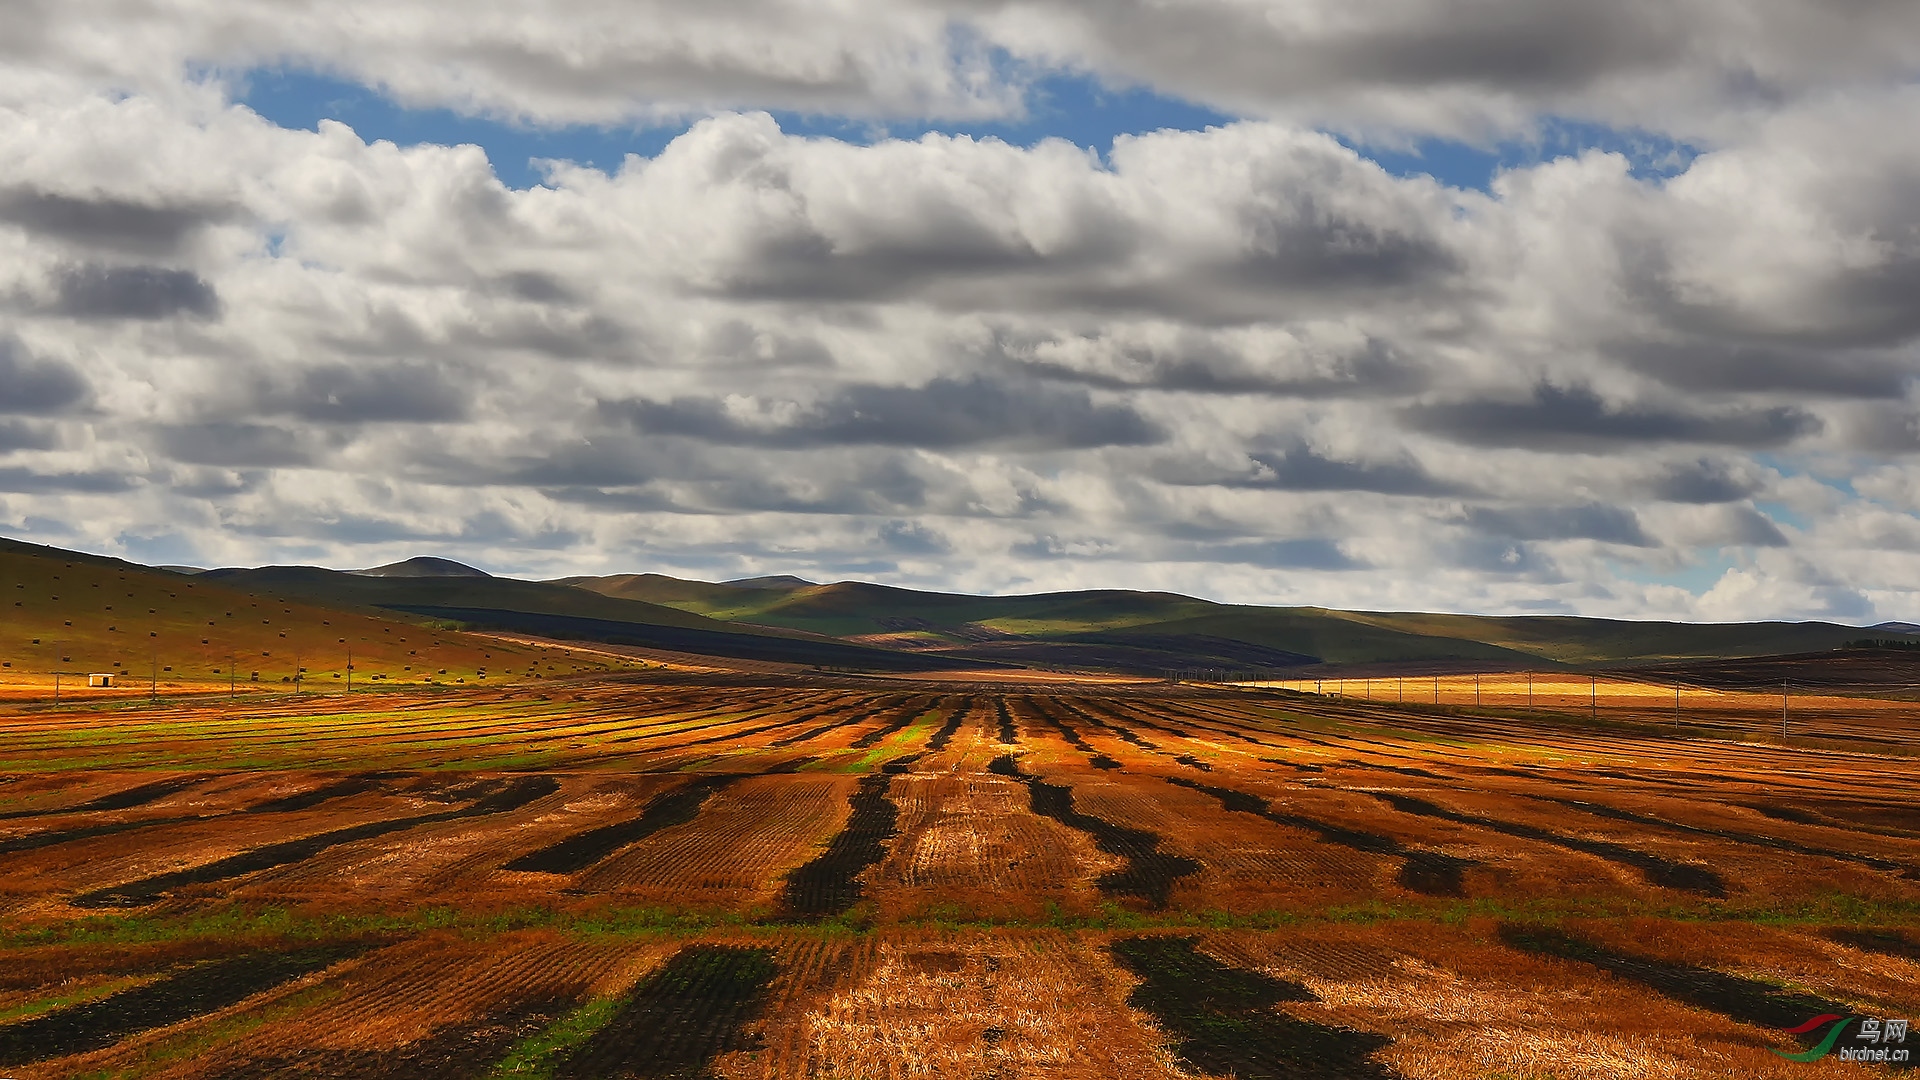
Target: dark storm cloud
<point x="1747" y="526"/>
<point x="135" y="292"/>
<point x="912" y="538"/>
<point x="1720" y="366"/>
<point x="1593" y="521"/>
<point x="949" y="259"/>
<point x="236" y="444"/>
<point x="1700" y="482"/>
<point x="36" y="387"/>
<point x="101" y="221"/>
<point x="343" y="394"/>
<point x="24" y="434"/>
<point x="1300" y="467"/>
<point x="1318" y="249"/>
<point x="32" y="482"/>
<point x="943" y="414"/>
<point x="1202" y="366"/>
<point x="1576" y="418"/>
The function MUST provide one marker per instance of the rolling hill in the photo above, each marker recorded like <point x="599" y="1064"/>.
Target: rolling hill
<point x="404" y="622"/>
<point x="562" y="611"/>
<point x="1144" y="631"/>
<point x="76" y="613"/>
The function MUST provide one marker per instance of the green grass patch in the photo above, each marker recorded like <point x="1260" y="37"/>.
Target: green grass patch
<point x="536" y="1057"/>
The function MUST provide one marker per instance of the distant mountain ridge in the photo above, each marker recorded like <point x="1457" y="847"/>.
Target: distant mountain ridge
<point x="866" y="626"/>
<point x="423" y="566"/>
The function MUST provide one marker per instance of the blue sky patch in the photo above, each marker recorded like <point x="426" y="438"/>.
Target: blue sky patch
<point x="1076" y="108"/>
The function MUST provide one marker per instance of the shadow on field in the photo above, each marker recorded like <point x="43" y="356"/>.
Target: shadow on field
<point x="1736" y="997"/>
<point x="203" y="988"/>
<point x="1149" y="873"/>
<point x="119" y="800"/>
<point x="1657" y="869"/>
<point x="577" y="852"/>
<point x="828" y="884"/>
<point x="287" y="804"/>
<point x="1775" y="843"/>
<point x="1009" y="735"/>
<point x="461" y="1051"/>
<point x="1432" y="873"/>
<point x="1885" y="942"/>
<point x="951" y="728"/>
<point x="1226" y="1023"/>
<point x="679" y="1018"/>
<point x="512" y="796"/>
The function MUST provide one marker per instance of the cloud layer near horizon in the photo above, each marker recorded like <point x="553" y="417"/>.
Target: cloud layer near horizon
<point x="1246" y="363"/>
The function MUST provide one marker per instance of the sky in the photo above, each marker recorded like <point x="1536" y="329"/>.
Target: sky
<point x="1504" y="306"/>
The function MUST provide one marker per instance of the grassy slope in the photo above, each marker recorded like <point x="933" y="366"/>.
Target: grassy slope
<point x="91" y="613"/>
<point x="336" y="588"/>
<point x="547" y="609"/>
<point x="1594" y="641"/>
<point x="854" y="608"/>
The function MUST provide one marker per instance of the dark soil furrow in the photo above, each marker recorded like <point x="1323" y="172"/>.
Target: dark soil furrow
<point x="1226" y="1021"/>
<point x="119" y="800"/>
<point x="1885" y="942"/>
<point x="690" y="1011"/>
<point x="1433" y="873"/>
<point x="304" y="801"/>
<point x="872" y="738"/>
<point x="577" y="852"/>
<point x="51" y="837"/>
<point x="1009" y="735"/>
<point x="1118" y="730"/>
<point x="1657" y="869"/>
<point x="203" y="988"/>
<point x="1907" y="870"/>
<point x="1065" y="729"/>
<point x="512" y="796"/>
<point x="1736" y="997"/>
<point x="463" y="1051"/>
<point x="307" y="800"/>
<point x="951" y="728"/>
<point x="1148" y="874"/>
<point x="828" y="884"/>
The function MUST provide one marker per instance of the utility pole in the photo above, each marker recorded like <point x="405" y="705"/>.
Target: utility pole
<point x="350" y="668"/>
<point x="1783" y="708"/>
<point x="1529" y="689"/>
<point x="1369" y="688"/>
<point x="232" y="675"/>
<point x="1593" y="696"/>
<point x="1476" y="689"/>
<point x="1403" y="689"/>
<point x="1676" y="704"/>
<point x="296" y="671"/>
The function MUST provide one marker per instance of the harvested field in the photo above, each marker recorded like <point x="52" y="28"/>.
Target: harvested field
<point x="743" y="874"/>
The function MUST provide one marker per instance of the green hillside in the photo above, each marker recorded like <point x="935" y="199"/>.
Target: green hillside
<point x="1156" y="631"/>
<point x="76" y="613"/>
<point x="553" y="610"/>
